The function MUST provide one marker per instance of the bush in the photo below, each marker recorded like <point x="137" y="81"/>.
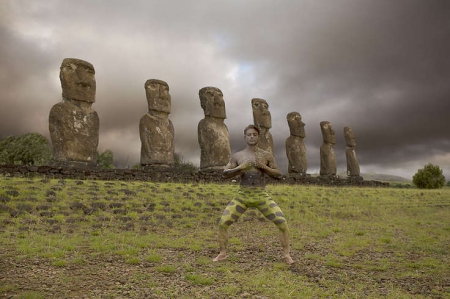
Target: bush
<point x="429" y="177"/>
<point x="28" y="149"/>
<point x="183" y="166"/>
<point x="106" y="159"/>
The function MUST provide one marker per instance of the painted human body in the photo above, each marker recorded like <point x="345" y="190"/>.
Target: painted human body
<point x="252" y="164"/>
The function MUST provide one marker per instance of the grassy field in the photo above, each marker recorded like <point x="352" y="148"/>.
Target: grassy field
<point x="109" y="239"/>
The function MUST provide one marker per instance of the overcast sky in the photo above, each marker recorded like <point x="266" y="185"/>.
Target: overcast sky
<point x="381" y="67"/>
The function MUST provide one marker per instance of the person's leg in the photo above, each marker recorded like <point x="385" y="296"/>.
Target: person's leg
<point x="285" y="243"/>
<point x="233" y="211"/>
<point x="272" y="211"/>
<point x="223" y="240"/>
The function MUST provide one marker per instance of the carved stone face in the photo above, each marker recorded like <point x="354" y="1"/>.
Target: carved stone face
<point x="296" y="125"/>
<point x="211" y="100"/>
<point x="78" y="80"/>
<point x="158" y="97"/>
<point x="261" y="113"/>
<point x="350" y="138"/>
<point x="327" y="132"/>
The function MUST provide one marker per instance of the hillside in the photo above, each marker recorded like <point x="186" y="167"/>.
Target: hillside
<point x="384" y="177"/>
<point x="376" y="177"/>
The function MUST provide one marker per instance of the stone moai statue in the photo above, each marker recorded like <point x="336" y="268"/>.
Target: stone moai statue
<point x="212" y="132"/>
<point x="262" y="119"/>
<point x="73" y="124"/>
<point x="155" y="128"/>
<point x="295" y="148"/>
<point x="350" y="145"/>
<point x="327" y="155"/>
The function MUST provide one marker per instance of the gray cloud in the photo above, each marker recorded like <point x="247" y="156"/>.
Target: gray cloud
<point x="380" y="67"/>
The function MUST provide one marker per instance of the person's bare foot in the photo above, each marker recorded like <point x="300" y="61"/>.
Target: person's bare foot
<point x="221" y="256"/>
<point x="289" y="260"/>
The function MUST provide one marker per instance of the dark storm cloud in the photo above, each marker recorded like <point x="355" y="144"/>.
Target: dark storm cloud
<point x="380" y="67"/>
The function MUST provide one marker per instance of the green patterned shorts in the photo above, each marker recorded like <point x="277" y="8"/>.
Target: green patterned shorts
<point x="252" y="197"/>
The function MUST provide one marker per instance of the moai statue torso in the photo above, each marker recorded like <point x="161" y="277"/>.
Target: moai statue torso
<point x="73" y="124"/>
<point x="212" y="132"/>
<point x="295" y="148"/>
<point x="262" y="119"/>
<point x="352" y="161"/>
<point x="327" y="155"/>
<point x="155" y="128"/>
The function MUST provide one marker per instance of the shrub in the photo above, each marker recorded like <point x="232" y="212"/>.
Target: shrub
<point x="28" y="149"/>
<point x="106" y="159"/>
<point x="429" y="177"/>
<point x="183" y="166"/>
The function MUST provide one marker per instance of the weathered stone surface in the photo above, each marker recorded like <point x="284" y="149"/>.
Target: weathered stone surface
<point x="327" y="156"/>
<point x="73" y="124"/>
<point x="350" y="153"/>
<point x="155" y="128"/>
<point x="168" y="174"/>
<point x="295" y="148"/>
<point x="212" y="132"/>
<point x="263" y="119"/>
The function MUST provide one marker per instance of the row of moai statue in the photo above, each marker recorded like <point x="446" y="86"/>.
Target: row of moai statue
<point x="74" y="127"/>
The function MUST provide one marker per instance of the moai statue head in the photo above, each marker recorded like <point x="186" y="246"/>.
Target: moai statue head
<point x="327" y="132"/>
<point x="77" y="80"/>
<point x="296" y="125"/>
<point x="350" y="138"/>
<point x="261" y="113"/>
<point x="158" y="97"/>
<point x="212" y="103"/>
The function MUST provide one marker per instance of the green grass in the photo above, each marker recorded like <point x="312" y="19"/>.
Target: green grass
<point x="348" y="242"/>
<point x="199" y="279"/>
<point x="166" y="269"/>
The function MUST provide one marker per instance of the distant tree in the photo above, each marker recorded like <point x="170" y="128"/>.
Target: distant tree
<point x="448" y="183"/>
<point x="106" y="159"/>
<point x="7" y="150"/>
<point x="183" y="166"/>
<point x="179" y="165"/>
<point x="29" y="149"/>
<point x="136" y="166"/>
<point x="429" y="177"/>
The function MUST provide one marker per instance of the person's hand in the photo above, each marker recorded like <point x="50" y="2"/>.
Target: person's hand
<point x="260" y="165"/>
<point x="258" y="161"/>
<point x="246" y="165"/>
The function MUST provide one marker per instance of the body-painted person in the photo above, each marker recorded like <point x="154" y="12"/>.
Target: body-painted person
<point x="252" y="164"/>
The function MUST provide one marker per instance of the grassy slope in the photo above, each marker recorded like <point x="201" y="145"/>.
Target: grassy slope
<point x="139" y="239"/>
<point x="380" y="177"/>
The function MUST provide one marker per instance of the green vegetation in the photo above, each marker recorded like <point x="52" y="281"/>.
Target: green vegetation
<point x="29" y="149"/>
<point x="429" y="177"/>
<point x="182" y="165"/>
<point x="110" y="239"/>
<point x="106" y="159"/>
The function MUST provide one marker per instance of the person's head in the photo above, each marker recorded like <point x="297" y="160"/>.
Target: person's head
<point x="296" y="125"/>
<point x="77" y="80"/>
<point x="327" y="132"/>
<point x="350" y="138"/>
<point x="158" y="97"/>
<point x="212" y="103"/>
<point x="251" y="134"/>
<point x="261" y="113"/>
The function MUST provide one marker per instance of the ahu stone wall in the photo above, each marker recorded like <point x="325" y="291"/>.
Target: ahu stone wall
<point x="168" y="175"/>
